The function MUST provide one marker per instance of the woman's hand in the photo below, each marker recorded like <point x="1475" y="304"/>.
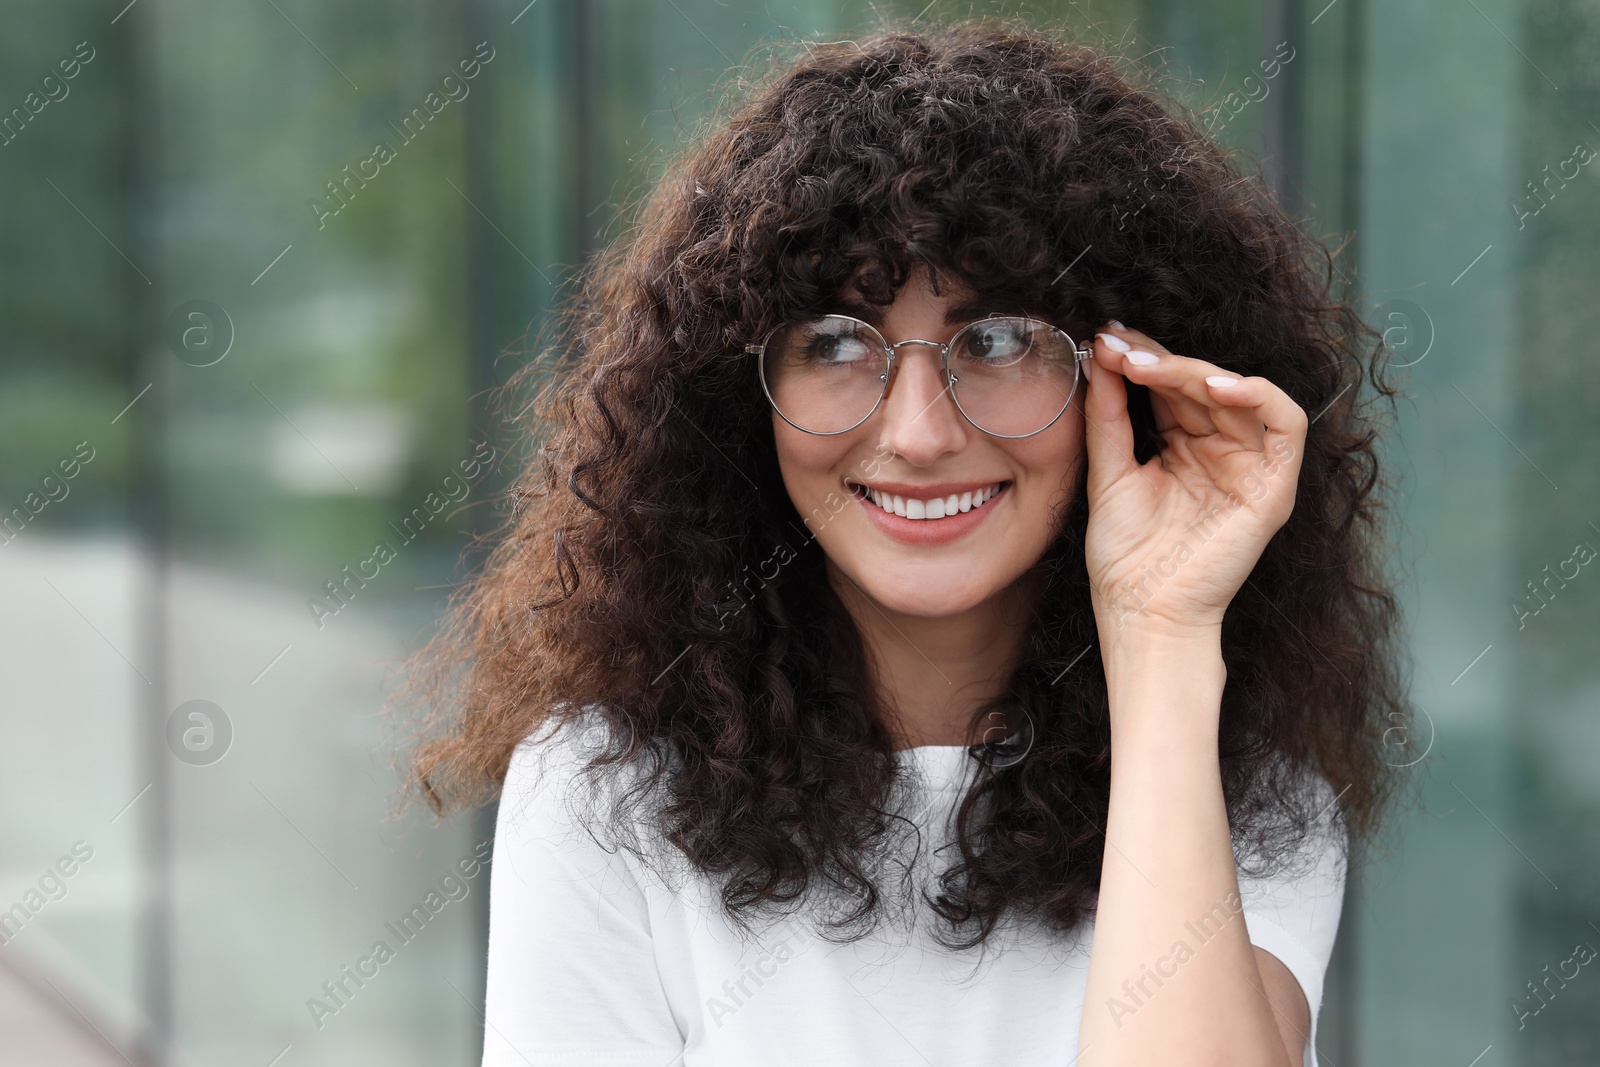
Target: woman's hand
<point x="1169" y="543"/>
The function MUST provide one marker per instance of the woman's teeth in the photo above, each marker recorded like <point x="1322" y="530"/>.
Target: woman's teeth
<point x="936" y="508"/>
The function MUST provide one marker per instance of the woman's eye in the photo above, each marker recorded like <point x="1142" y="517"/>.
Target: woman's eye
<point x="998" y="343"/>
<point x="836" y="348"/>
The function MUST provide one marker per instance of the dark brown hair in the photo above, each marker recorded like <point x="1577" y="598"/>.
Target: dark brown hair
<point x="1029" y="168"/>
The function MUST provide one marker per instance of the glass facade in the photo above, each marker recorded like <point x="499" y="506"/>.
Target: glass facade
<point x="261" y="263"/>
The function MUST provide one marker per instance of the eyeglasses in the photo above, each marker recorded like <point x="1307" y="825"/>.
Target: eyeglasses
<point x="1010" y="376"/>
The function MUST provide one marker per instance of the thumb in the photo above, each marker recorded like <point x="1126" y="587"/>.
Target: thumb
<point x="1107" y="429"/>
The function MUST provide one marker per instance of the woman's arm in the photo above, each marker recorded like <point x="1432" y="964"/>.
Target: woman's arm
<point x="1173" y="977"/>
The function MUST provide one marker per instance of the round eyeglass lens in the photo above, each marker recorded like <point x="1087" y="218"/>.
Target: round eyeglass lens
<point x="825" y="374"/>
<point x="1013" y="376"/>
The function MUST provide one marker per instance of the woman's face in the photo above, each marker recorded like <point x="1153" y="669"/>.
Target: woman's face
<point x="917" y="445"/>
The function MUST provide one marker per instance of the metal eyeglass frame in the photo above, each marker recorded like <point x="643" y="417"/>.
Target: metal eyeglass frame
<point x="1081" y="352"/>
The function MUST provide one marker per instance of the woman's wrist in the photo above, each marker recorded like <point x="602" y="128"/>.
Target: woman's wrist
<point x="1164" y="681"/>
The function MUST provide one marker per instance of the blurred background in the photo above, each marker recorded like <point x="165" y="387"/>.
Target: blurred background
<point x="243" y="357"/>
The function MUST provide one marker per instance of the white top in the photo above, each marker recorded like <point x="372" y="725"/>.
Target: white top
<point x="596" y="958"/>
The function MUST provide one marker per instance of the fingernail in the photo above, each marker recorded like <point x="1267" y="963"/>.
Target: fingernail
<point x="1221" y="380"/>
<point x="1087" y="365"/>
<point x="1113" y="342"/>
<point x="1118" y="325"/>
<point x="1142" y="358"/>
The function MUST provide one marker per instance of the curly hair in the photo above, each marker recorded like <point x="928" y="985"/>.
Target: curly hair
<point x="1026" y="166"/>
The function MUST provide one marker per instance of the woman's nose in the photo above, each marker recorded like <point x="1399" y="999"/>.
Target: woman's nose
<point x="919" y="412"/>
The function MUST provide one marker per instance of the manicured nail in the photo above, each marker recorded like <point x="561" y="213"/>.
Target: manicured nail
<point x="1115" y="343"/>
<point x="1118" y="325"/>
<point x="1087" y="365"/>
<point x="1221" y="381"/>
<point x="1142" y="358"/>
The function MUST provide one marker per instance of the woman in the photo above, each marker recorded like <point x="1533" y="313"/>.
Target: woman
<point x="891" y="657"/>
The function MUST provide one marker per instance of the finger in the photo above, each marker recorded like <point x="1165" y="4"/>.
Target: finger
<point x="1174" y="409"/>
<point x="1181" y="381"/>
<point x="1108" y="432"/>
<point x="1285" y="422"/>
<point x="1192" y="419"/>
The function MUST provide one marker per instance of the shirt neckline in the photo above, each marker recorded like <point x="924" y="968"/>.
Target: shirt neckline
<point x="943" y="768"/>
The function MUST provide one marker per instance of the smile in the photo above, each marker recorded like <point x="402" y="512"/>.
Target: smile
<point x="926" y="507"/>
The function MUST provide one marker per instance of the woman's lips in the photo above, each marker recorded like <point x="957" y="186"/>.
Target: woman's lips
<point x="930" y="531"/>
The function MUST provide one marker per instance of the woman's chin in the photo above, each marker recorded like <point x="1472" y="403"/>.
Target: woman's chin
<point x="932" y="595"/>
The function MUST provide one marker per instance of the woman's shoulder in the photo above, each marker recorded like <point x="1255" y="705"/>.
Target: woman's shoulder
<point x="563" y="741"/>
<point x="568" y="781"/>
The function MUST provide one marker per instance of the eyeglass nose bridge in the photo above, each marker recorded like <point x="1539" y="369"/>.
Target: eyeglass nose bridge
<point x="949" y="386"/>
<point x="944" y="359"/>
